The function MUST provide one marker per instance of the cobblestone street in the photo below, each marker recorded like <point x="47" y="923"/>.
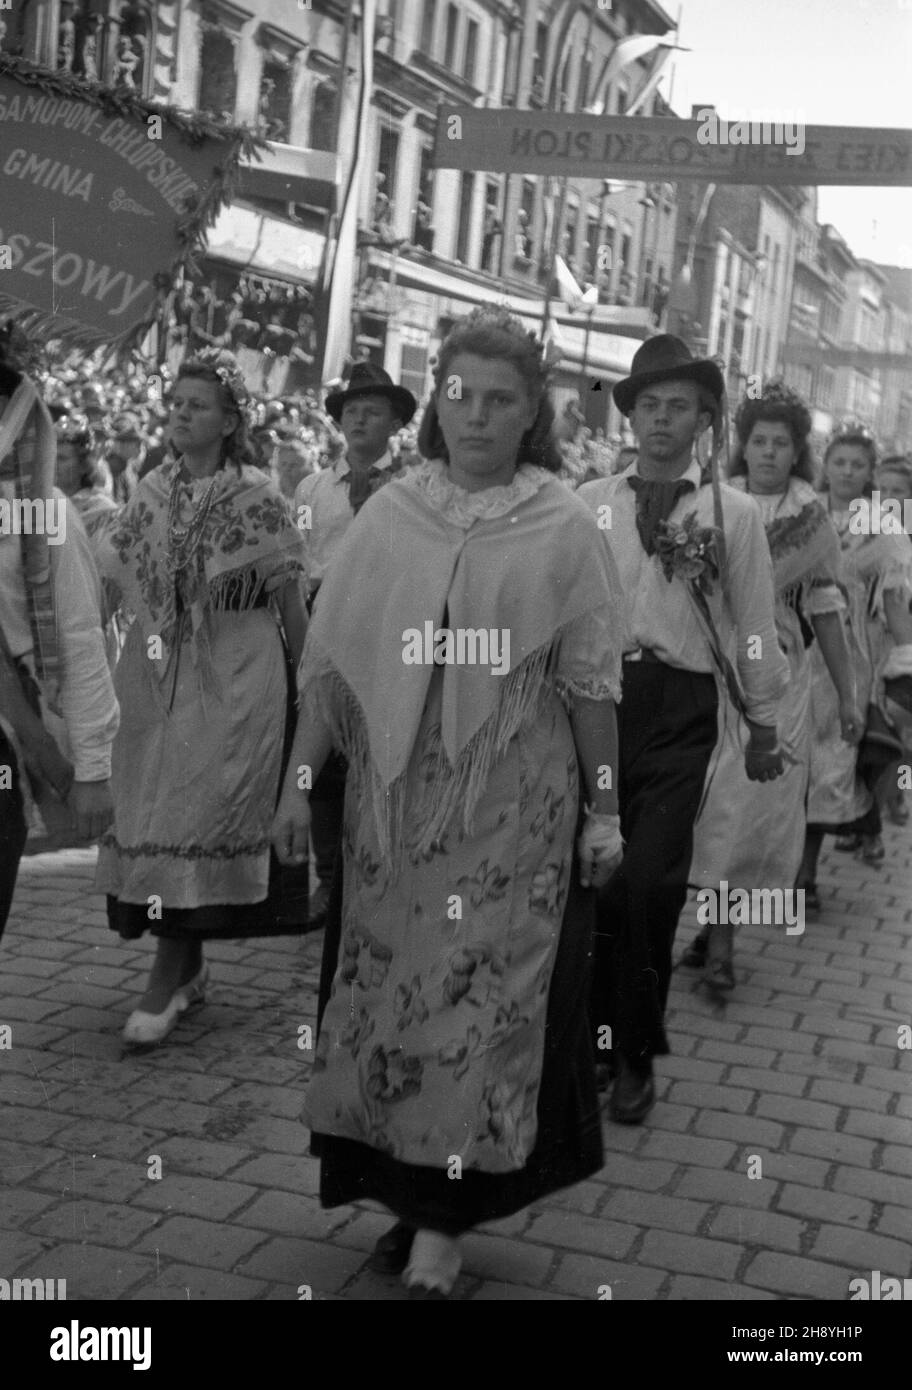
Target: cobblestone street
<point x="801" y="1069"/>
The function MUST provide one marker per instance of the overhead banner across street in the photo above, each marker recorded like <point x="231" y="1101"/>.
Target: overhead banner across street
<point x="662" y="149"/>
<point x="101" y="201"/>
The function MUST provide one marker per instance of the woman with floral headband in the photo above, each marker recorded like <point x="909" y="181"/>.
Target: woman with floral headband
<point x="207" y="558"/>
<point x="876" y="571"/>
<point x="747" y="835"/>
<point x="453" y="1032"/>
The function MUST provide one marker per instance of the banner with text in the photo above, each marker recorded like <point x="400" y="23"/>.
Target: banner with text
<point x="661" y="149"/>
<point x="96" y="207"/>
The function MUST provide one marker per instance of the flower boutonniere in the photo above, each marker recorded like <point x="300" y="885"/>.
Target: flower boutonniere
<point x="690" y="551"/>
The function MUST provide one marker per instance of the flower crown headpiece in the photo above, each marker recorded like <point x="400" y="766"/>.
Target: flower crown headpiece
<point x="499" y="317"/>
<point x="225" y="367"/>
<point x="774" y="394"/>
<point x="852" y="429"/>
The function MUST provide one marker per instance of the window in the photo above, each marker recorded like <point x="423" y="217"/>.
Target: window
<point x="582" y="96"/>
<point x="274" y="116"/>
<point x="524" y="248"/>
<point x="422" y="229"/>
<point x="323" y="117"/>
<point x="466" y="192"/>
<point x="607" y="267"/>
<point x="540" y="58"/>
<point x="387" y="161"/>
<point x="428" y="18"/>
<point x="568" y="245"/>
<point x="218" y="75"/>
<point x="592" y="244"/>
<point x="413" y="369"/>
<point x="471" y="51"/>
<point x="541" y="52"/>
<point x="493" y="226"/>
<point x="452" y="28"/>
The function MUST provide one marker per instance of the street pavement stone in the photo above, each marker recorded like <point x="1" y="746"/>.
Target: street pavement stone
<point x="777" y="1163"/>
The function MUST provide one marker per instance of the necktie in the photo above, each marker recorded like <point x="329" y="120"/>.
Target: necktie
<point x="360" y="487"/>
<point x="655" y="501"/>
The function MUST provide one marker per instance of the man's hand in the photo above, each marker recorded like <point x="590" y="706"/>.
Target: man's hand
<point x="91" y="807"/>
<point x="291" y="828"/>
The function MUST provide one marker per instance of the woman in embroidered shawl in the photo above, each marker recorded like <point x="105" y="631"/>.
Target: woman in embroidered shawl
<point x="876" y="571"/>
<point x="206" y="556"/>
<point x="453" y="1036"/>
<point x="750" y="835"/>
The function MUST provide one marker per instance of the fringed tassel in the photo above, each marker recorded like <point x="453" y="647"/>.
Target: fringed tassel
<point x="464" y="784"/>
<point x="451" y="787"/>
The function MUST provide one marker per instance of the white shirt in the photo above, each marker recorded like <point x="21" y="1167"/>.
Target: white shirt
<point x="327" y="495"/>
<point x="660" y="614"/>
<point x="87" y="701"/>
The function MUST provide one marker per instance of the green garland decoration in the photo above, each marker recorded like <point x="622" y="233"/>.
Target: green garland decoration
<point x="191" y="225"/>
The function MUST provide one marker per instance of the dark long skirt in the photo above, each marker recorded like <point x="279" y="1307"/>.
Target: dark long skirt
<point x="569" y="1143"/>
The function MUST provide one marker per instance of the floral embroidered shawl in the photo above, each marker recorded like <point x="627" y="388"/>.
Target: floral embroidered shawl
<point x="250" y="545"/>
<point x="802" y="541"/>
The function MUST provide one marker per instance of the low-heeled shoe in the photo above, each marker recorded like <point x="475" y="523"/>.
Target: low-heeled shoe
<point x="143" y="1028"/>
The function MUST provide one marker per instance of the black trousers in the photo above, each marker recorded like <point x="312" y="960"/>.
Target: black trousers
<point x="13" y="829"/>
<point x="667" y="731"/>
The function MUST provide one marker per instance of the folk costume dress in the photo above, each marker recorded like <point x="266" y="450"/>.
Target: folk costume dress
<point x="203" y="692"/>
<point x="455" y="974"/>
<point x="872" y="566"/>
<point x="751" y="834"/>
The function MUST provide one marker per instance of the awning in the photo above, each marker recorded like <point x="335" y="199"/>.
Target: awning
<point x="292" y="174"/>
<point x="266" y="245"/>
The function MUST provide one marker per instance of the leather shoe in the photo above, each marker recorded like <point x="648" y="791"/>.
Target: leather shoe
<point x="634" y="1093"/>
<point x="142" y="1028"/>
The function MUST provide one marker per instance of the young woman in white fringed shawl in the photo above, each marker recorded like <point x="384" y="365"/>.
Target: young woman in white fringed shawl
<point x="453" y="1031"/>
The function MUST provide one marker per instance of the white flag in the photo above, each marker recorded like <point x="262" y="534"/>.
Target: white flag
<point x="624" y="52"/>
<point x="570" y="292"/>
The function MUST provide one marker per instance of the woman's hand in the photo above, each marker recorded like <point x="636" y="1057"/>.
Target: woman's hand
<point x="601" y="849"/>
<point x="92" y="808"/>
<point x="291" y="828"/>
<point x="851" y="721"/>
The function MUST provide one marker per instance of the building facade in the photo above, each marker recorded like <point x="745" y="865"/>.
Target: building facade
<point x="436" y="241"/>
<point x="731" y="295"/>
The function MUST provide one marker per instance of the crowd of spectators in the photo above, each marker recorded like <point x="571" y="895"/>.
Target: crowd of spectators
<point x="116" y="418"/>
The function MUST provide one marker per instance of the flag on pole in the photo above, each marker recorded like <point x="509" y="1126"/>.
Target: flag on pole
<point x="624" y="52"/>
<point x="660" y="61"/>
<point x="341" y="258"/>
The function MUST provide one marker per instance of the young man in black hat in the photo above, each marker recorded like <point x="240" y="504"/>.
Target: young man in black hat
<point x="369" y="410"/>
<point x="667" y="716"/>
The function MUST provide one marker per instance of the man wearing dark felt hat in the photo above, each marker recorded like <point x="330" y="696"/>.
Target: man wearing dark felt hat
<point x="369" y="409"/>
<point x="667" y="720"/>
